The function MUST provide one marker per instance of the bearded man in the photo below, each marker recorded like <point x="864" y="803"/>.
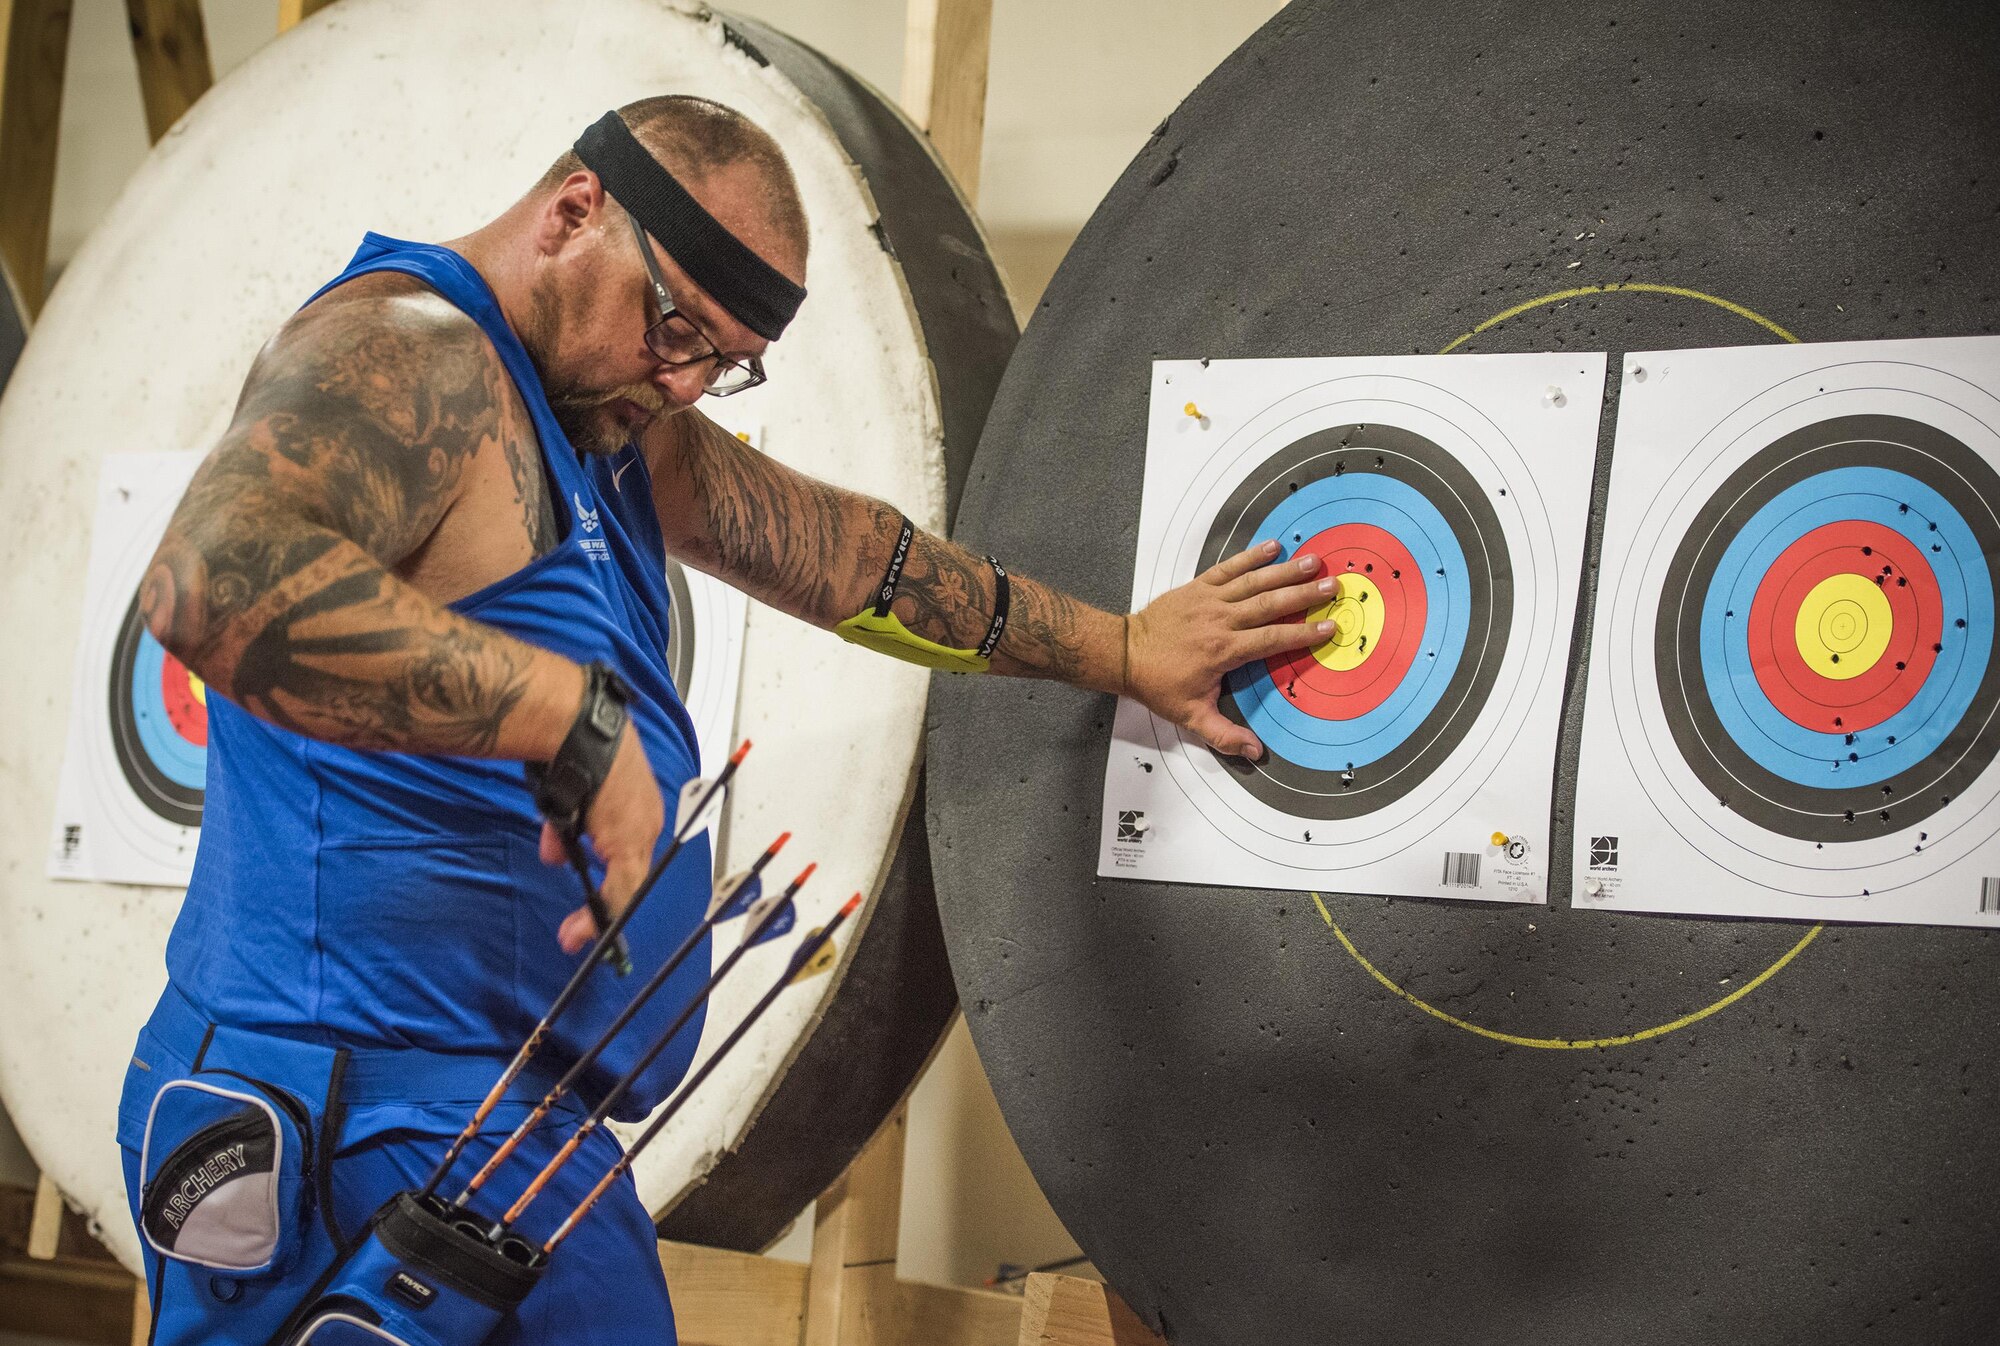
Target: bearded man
<point x="430" y="548"/>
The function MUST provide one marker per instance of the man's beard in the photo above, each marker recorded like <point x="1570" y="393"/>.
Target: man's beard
<point x="589" y="423"/>
<point x="584" y="414"/>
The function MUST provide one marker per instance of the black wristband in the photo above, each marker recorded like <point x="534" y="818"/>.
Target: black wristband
<point x="1000" y="605"/>
<point x="565" y="786"/>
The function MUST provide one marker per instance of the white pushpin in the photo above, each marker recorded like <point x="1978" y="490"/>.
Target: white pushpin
<point x="1553" y="396"/>
<point x="1638" y="373"/>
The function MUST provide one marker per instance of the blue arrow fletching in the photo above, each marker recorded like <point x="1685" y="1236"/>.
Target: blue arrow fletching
<point x="780" y="925"/>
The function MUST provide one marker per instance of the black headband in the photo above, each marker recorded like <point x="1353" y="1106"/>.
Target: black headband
<point x="756" y="293"/>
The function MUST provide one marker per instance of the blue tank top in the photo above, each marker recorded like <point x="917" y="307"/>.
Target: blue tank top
<point x="378" y="899"/>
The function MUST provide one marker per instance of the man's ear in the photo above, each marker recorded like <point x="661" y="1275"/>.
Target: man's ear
<point x="577" y="202"/>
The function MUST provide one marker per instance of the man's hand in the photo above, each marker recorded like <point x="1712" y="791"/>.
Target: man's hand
<point x="1238" y="611"/>
<point x="623" y="824"/>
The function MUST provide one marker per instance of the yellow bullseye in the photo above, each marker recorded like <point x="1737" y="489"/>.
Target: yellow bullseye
<point x="1844" y="625"/>
<point x="199" y="688"/>
<point x="1356" y="613"/>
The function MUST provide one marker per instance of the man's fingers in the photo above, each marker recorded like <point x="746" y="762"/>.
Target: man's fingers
<point x="1283" y="638"/>
<point x="577" y="931"/>
<point x="621" y="880"/>
<point x="1285" y="604"/>
<point x="1225" y="735"/>
<point x="1245" y="561"/>
<point x="1265" y="578"/>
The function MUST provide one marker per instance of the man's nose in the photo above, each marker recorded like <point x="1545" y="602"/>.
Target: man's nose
<point x="683" y="385"/>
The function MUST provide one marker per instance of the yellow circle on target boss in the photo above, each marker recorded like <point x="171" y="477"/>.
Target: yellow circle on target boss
<point x="1356" y="613"/>
<point x="1844" y="626"/>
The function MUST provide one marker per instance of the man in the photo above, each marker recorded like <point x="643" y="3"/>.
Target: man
<point x="429" y="549"/>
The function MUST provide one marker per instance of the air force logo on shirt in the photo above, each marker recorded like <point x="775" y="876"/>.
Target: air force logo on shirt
<point x="587" y="521"/>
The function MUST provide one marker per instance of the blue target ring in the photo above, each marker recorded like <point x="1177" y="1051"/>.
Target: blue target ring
<point x="1773" y="739"/>
<point x="1399" y="509"/>
<point x="182" y="762"/>
<point x="1395" y="484"/>
<point x="1915" y="489"/>
<point x="166" y="771"/>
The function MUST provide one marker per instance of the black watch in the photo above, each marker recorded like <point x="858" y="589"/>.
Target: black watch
<point x="565" y="786"/>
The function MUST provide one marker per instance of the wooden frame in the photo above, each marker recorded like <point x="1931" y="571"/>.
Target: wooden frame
<point x="34" y="47"/>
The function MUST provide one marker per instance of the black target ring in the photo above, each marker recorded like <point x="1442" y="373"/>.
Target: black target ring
<point x="1813" y="459"/>
<point x="1338" y="464"/>
<point x="680" y="629"/>
<point x="139" y="726"/>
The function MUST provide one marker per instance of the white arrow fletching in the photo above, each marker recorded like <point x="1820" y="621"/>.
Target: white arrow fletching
<point x="691" y="801"/>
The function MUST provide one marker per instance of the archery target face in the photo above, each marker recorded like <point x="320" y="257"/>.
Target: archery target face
<point x="1444" y="497"/>
<point x="1797" y="649"/>
<point x="128" y="802"/>
<point x="130" y="796"/>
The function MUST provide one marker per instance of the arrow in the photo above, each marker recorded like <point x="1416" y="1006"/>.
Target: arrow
<point x="624" y="1083"/>
<point x="606" y="938"/>
<point x="807" y="952"/>
<point x="749" y="878"/>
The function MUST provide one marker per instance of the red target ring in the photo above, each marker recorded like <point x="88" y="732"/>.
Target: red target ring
<point x="1398" y="584"/>
<point x="1880" y="557"/>
<point x="186" y="706"/>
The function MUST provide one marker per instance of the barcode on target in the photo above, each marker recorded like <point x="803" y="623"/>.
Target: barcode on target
<point x="1461" y="869"/>
<point x="1989" y="896"/>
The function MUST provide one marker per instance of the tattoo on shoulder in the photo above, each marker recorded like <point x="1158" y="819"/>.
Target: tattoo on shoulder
<point x="273" y="580"/>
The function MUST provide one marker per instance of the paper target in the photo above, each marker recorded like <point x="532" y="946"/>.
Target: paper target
<point x="158" y="722"/>
<point x="1422" y="612"/>
<point x="128" y="802"/>
<point x="1453" y="558"/>
<point x="705" y="654"/>
<point x="1798" y="651"/>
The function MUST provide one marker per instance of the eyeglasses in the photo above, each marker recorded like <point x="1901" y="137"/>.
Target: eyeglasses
<point x="676" y="341"/>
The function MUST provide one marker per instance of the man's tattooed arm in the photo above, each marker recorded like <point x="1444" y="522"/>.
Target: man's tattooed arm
<point x="818" y="552"/>
<point x="273" y="582"/>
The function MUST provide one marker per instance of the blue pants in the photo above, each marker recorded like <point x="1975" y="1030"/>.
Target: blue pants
<point x="603" y="1287"/>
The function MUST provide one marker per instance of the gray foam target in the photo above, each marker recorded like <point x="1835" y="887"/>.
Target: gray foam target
<point x="1254" y="1137"/>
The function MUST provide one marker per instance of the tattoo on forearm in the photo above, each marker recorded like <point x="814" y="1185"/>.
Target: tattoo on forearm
<point x="818" y="553"/>
<point x="798" y="544"/>
<point x="273" y="579"/>
<point x="1044" y="631"/>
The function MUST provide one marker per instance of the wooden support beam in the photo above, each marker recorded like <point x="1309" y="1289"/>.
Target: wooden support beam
<point x="724" y="1298"/>
<point x="34" y="44"/>
<point x="142" y="1314"/>
<point x="45" y="1225"/>
<point x="945" y="49"/>
<point x="930" y="1315"/>
<point x="171" y="47"/>
<point x="292" y="13"/>
<point x="1071" y="1311"/>
<point x="854" y="1241"/>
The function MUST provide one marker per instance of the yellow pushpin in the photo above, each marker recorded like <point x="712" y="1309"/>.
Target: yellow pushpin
<point x="743" y="435"/>
<point x="1192" y="410"/>
<point x="1499" y="838"/>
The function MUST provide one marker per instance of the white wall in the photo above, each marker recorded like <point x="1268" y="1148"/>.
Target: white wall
<point x="1074" y="90"/>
